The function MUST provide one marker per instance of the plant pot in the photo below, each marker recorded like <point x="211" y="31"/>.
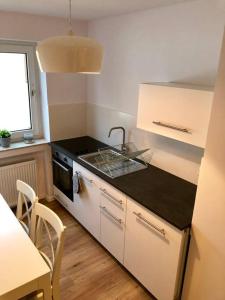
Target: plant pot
<point x="5" y="142"/>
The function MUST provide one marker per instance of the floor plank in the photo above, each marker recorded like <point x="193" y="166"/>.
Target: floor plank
<point x="88" y="271"/>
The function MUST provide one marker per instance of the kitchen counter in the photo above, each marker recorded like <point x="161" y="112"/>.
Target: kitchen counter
<point x="166" y="195"/>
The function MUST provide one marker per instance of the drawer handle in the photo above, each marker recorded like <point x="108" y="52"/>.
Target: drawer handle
<point x="161" y="231"/>
<point x="120" y="202"/>
<point x="85" y="178"/>
<point x="111" y="215"/>
<point x="182" y="129"/>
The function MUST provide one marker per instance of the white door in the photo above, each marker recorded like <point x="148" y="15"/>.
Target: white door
<point x="153" y="251"/>
<point x="177" y="111"/>
<point x="87" y="202"/>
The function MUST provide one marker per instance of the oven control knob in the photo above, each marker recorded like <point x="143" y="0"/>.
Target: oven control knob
<point x="65" y="159"/>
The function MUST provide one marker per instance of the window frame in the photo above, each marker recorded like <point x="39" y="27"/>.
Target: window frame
<point x="33" y="74"/>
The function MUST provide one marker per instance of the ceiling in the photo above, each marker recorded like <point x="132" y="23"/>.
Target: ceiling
<point x="82" y="9"/>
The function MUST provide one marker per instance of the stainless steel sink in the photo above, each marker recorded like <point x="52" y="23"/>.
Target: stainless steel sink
<point x="112" y="163"/>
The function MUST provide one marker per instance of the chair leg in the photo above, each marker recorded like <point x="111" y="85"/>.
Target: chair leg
<point x="39" y="232"/>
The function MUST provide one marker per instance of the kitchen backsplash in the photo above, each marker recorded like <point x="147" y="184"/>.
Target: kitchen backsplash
<point x="178" y="158"/>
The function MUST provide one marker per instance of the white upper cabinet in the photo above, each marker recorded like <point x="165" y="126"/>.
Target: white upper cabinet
<point x="177" y="111"/>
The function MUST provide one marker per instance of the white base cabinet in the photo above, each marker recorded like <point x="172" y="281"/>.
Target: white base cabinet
<point x="113" y="213"/>
<point x="87" y="202"/>
<point x="154" y="251"/>
<point x="149" y="247"/>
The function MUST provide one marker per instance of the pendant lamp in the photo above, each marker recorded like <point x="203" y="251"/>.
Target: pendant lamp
<point x="70" y="53"/>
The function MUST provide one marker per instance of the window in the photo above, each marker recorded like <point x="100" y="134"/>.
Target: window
<point x="19" y="107"/>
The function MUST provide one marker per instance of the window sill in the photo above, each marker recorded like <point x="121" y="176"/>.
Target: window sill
<point x="19" y="148"/>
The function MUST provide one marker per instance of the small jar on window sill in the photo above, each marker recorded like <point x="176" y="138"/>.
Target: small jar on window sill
<point x="28" y="138"/>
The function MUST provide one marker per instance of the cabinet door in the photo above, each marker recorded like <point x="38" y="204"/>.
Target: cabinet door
<point x="153" y="251"/>
<point x="86" y="203"/>
<point x="113" y="208"/>
<point x="178" y="106"/>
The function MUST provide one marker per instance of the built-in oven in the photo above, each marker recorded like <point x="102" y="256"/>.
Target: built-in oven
<point x="63" y="173"/>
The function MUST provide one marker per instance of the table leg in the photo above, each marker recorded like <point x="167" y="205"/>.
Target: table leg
<point x="45" y="285"/>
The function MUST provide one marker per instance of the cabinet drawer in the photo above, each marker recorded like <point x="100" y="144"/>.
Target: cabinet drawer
<point x="113" y="198"/>
<point x="106" y="205"/>
<point x="153" y="251"/>
<point x="112" y="214"/>
<point x="112" y="232"/>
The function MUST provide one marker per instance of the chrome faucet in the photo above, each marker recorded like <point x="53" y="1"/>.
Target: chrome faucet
<point x="123" y="148"/>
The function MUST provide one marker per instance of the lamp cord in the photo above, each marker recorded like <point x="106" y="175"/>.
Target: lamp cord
<point x="70" y="18"/>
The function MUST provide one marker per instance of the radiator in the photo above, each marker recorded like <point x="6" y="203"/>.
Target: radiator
<point x="25" y="171"/>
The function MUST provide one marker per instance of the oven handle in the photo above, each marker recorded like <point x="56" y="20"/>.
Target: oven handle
<point x="64" y="168"/>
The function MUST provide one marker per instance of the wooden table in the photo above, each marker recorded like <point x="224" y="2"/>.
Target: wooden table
<point x="22" y="269"/>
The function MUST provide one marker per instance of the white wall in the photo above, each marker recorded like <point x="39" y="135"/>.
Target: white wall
<point x="174" y="43"/>
<point x="63" y="95"/>
<point x="65" y="92"/>
<point x="206" y="264"/>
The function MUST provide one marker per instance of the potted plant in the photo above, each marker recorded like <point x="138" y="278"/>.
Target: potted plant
<point x="5" y="137"/>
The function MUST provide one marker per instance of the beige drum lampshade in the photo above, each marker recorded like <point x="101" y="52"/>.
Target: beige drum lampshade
<point x="70" y="54"/>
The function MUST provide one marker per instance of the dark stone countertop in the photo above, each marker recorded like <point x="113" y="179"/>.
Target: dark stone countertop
<point x="166" y="195"/>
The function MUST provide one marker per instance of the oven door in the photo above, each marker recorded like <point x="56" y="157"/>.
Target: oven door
<point x="63" y="178"/>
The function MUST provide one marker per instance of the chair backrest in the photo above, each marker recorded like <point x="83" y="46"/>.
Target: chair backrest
<point x="26" y="199"/>
<point x="41" y="218"/>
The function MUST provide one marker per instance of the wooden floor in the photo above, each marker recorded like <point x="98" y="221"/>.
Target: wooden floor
<point x="88" y="271"/>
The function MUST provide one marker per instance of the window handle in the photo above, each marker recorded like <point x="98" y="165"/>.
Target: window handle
<point x="33" y="92"/>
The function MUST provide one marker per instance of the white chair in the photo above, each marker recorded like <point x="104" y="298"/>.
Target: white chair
<point x="41" y="218"/>
<point x="26" y="198"/>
